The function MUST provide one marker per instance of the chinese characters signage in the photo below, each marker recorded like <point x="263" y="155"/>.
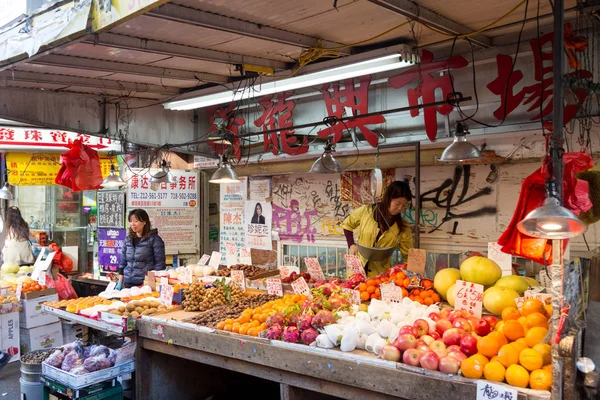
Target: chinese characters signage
<point x="177" y="228"/>
<point x="232" y="230"/>
<point x="469" y="297"/>
<point x="234" y="194"/>
<point x="111" y="209"/>
<point x="257" y="225"/>
<point x="110" y="245"/>
<point x="142" y="193"/>
<point x="15" y="138"/>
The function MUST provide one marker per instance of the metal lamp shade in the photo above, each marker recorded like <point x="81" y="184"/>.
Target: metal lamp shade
<point x="326" y="164"/>
<point x="113" y="180"/>
<point x="460" y="150"/>
<point x="225" y="174"/>
<point x="163" y="176"/>
<point x="552" y="221"/>
<point x="5" y="193"/>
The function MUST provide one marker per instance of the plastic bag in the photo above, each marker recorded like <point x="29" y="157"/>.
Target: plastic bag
<point x="64" y="288"/>
<point x="80" y="168"/>
<point x="56" y="359"/>
<point x="61" y="260"/>
<point x="72" y="360"/>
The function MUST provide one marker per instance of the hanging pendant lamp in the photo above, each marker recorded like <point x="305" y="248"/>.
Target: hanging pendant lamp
<point x="164" y="175"/>
<point x="5" y="193"/>
<point x="224" y="174"/>
<point x="326" y="164"/>
<point x="460" y="149"/>
<point x="113" y="180"/>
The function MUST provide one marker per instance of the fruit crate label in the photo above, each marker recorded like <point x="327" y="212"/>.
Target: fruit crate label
<point x="301" y="287"/>
<point x="469" y="297"/>
<point x="355" y="295"/>
<point x="286" y="270"/>
<point x="19" y="290"/>
<point x="314" y="268"/>
<point x="230" y="254"/>
<point x="245" y="256"/>
<point x="166" y="294"/>
<point x="487" y="390"/>
<point x="42" y="278"/>
<point x="417" y="258"/>
<point x="390" y="293"/>
<point x="185" y="276"/>
<point x="237" y="278"/>
<point x="205" y="258"/>
<point x="275" y="287"/>
<point x="215" y="260"/>
<point x="354" y="265"/>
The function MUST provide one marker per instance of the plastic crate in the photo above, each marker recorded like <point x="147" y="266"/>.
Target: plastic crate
<point x="81" y="381"/>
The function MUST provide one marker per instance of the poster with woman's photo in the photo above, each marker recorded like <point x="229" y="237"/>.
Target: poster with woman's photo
<point x="258" y="216"/>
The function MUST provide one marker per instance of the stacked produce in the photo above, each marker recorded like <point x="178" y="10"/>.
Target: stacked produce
<point x="294" y="275"/>
<point x="78" y="359"/>
<point x="413" y="286"/>
<point x="249" y="270"/>
<point x="8" y="299"/>
<point x="81" y="303"/>
<point x="11" y="275"/>
<point x="200" y="297"/>
<point x="138" y="308"/>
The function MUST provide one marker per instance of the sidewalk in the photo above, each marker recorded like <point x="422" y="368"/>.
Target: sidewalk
<point x="10" y="388"/>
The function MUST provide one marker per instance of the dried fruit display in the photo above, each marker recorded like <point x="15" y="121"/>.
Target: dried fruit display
<point x="199" y="297"/>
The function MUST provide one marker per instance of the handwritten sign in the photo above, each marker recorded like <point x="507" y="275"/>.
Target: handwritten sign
<point x="544" y="279"/>
<point x="245" y="256"/>
<point x="354" y="295"/>
<point x="487" y="390"/>
<point x="230" y="253"/>
<point x="286" y="270"/>
<point x="215" y="259"/>
<point x="301" y="287"/>
<point x="185" y="276"/>
<point x="504" y="260"/>
<point x="19" y="290"/>
<point x="543" y="297"/>
<point x="390" y="293"/>
<point x="275" y="287"/>
<point x="166" y="294"/>
<point x="519" y="301"/>
<point x="111" y="286"/>
<point x="354" y="265"/>
<point x="417" y="258"/>
<point x="111" y="208"/>
<point x="152" y="280"/>
<point x="314" y="268"/>
<point x="164" y="281"/>
<point x="205" y="258"/>
<point x="42" y="278"/>
<point x="237" y="277"/>
<point x="469" y="297"/>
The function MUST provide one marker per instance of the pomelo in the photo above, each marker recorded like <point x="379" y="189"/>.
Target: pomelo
<point x="514" y="282"/>
<point x="444" y="279"/>
<point x="480" y="270"/>
<point x="497" y="298"/>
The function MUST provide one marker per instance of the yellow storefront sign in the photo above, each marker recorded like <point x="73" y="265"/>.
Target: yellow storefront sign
<point x="39" y="169"/>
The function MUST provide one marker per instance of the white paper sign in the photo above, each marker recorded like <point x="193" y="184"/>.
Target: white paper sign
<point x="355" y="295"/>
<point x="487" y="390"/>
<point x="314" y="268"/>
<point x="164" y="281"/>
<point x="166" y="294"/>
<point x="215" y="259"/>
<point x="237" y="278"/>
<point x="111" y="286"/>
<point x="42" y="278"/>
<point x="185" y="276"/>
<point x="286" y="270"/>
<point x="142" y="193"/>
<point x="301" y="287"/>
<point x="19" y="290"/>
<point x="469" y="297"/>
<point x="245" y="256"/>
<point x="544" y="279"/>
<point x="274" y="286"/>
<point x="257" y="225"/>
<point x="543" y="297"/>
<point x="519" y="302"/>
<point x="42" y="265"/>
<point x="205" y="258"/>
<point x="390" y="293"/>
<point x="417" y="259"/>
<point x="354" y="265"/>
<point x="504" y="260"/>
<point x="230" y="253"/>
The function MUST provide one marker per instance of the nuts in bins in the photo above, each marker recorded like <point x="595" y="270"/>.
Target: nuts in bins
<point x="249" y="270"/>
<point x="198" y="298"/>
<point x="233" y="310"/>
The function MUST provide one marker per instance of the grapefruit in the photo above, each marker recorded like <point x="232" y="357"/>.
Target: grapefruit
<point x="514" y="282"/>
<point x="480" y="270"/>
<point x="497" y="298"/>
<point x="532" y="282"/>
<point x="444" y="279"/>
<point x="451" y="295"/>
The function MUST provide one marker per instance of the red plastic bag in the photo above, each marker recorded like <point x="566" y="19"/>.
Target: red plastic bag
<point x="80" y="168"/>
<point x="533" y="192"/>
<point x="61" y="260"/>
<point x="64" y="288"/>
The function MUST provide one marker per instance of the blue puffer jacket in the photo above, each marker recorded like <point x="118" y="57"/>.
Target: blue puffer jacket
<point x="147" y="255"/>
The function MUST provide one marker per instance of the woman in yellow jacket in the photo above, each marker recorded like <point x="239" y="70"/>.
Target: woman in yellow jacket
<point x="381" y="225"/>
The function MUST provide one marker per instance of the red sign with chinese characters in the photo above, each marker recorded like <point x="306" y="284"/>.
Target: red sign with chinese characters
<point x="18" y="138"/>
<point x="469" y="297"/>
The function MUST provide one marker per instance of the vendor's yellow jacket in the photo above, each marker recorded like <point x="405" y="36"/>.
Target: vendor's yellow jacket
<point x="367" y="229"/>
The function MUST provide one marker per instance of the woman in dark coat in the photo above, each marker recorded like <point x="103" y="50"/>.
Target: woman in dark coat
<point x="258" y="218"/>
<point x="144" y="250"/>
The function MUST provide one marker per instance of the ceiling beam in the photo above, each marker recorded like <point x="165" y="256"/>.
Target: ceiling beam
<point x="192" y="16"/>
<point x="179" y="50"/>
<point x="56" y="60"/>
<point x="415" y="12"/>
<point x="98" y="83"/>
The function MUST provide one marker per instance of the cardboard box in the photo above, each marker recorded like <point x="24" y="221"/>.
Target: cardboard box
<point x="9" y="335"/>
<point x="38" y="294"/>
<point x="33" y="315"/>
<point x="71" y="331"/>
<point x="41" y="337"/>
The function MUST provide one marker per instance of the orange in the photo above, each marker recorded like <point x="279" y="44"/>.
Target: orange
<point x="245" y="318"/>
<point x="228" y="327"/>
<point x="220" y="325"/>
<point x="531" y="359"/>
<point x="540" y="379"/>
<point x="243" y="330"/>
<point x="371" y="282"/>
<point x="362" y="287"/>
<point x="547" y="368"/>
<point x="544" y="349"/>
<point x="428" y="301"/>
<point x="415" y="292"/>
<point x="425" y="293"/>
<point x="499" y="337"/>
<point x="253" y="332"/>
<point x="235" y="329"/>
<point x="436" y="297"/>
<point x="532" y="306"/>
<point x="495" y="358"/>
<point x="377" y="281"/>
<point x="471" y="368"/>
<point x="508" y="355"/>
<point x="378" y="292"/>
<point x="535" y="335"/>
<point x="371" y="289"/>
<point x="513" y="330"/>
<point x="404" y="292"/>
<point x="537" y="319"/>
<point x="406" y="282"/>
<point x="480" y="359"/>
<point x="364" y="296"/>
<point x="521" y="344"/>
<point x="510" y="313"/>
<point x="517" y="376"/>
<point x="499" y="326"/>
<point x="548" y="310"/>
<point x="494" y="371"/>
<point x="263" y="317"/>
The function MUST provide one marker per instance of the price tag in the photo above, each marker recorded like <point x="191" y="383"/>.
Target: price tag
<point x="301" y="287"/>
<point x="314" y="268"/>
<point x="354" y="266"/>
<point x="245" y="256"/>
<point x="19" y="290"/>
<point x="545" y="280"/>
<point x="390" y="293"/>
<point x="275" y="287"/>
<point x="42" y="278"/>
<point x="504" y="260"/>
<point x="215" y="260"/>
<point x="237" y="277"/>
<point x="230" y="254"/>
<point x="164" y="281"/>
<point x="417" y="258"/>
<point x="355" y="295"/>
<point x="519" y="302"/>
<point x="152" y="280"/>
<point x="286" y="270"/>
<point x="543" y="297"/>
<point x="185" y="276"/>
<point x="469" y="297"/>
<point x="205" y="258"/>
<point x="166" y="294"/>
<point x="487" y="390"/>
<point x="111" y="286"/>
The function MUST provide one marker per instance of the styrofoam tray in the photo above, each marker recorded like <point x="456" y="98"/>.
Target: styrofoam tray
<point x="80" y="381"/>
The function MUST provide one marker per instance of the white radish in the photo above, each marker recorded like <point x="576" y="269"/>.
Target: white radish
<point x="349" y="340"/>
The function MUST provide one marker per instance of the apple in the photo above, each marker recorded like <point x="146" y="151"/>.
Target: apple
<point x="412" y="357"/>
<point x="405" y="342"/>
<point x="390" y="353"/>
<point x="468" y="345"/>
<point x="452" y="336"/>
<point x="445" y="312"/>
<point x="435" y="335"/>
<point x="428" y="339"/>
<point x="434" y="316"/>
<point x="455" y="314"/>
<point x="491" y="320"/>
<point x="449" y="365"/>
<point x="459" y="355"/>
<point x="430" y="360"/>
<point x="483" y="327"/>
<point x="454" y="347"/>
<point x="421" y="326"/>
<point x="421" y="345"/>
<point x="442" y="325"/>
<point x="467" y="314"/>
<point x="411" y="330"/>
<point x="462" y="323"/>
<point x="441" y="352"/>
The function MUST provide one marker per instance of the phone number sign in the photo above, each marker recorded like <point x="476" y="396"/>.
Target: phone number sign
<point x="142" y="193"/>
<point x="110" y="245"/>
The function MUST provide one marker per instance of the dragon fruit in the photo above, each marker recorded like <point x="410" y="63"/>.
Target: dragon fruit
<point x="292" y="320"/>
<point x="322" y="318"/>
<point x="291" y="334"/>
<point x="276" y="319"/>
<point x="310" y="307"/>
<point x="304" y="322"/>
<point x="338" y="301"/>
<point x="309" y="335"/>
<point x="274" y="332"/>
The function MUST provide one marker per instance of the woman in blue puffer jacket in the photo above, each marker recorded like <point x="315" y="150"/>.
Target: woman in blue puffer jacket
<point x="144" y="250"/>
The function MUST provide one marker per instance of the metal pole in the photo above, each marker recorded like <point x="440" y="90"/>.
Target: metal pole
<point x="418" y="195"/>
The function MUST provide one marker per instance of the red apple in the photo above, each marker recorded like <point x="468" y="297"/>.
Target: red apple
<point x="463" y="324"/>
<point x="411" y="330"/>
<point x="442" y="325"/>
<point x="422" y="327"/>
<point x="483" y="327"/>
<point x="455" y="314"/>
<point x="454" y="347"/>
<point x="452" y="336"/>
<point x="491" y="320"/>
<point x="459" y="355"/>
<point x="434" y="316"/>
<point x="468" y="345"/>
<point x="412" y="357"/>
<point x="421" y="345"/>
<point x="441" y="352"/>
<point x="430" y="360"/>
<point x="435" y="335"/>
<point x="467" y="314"/>
<point x="449" y="365"/>
<point x="445" y="312"/>
<point x="390" y="353"/>
<point x="428" y="339"/>
<point x="405" y="341"/>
